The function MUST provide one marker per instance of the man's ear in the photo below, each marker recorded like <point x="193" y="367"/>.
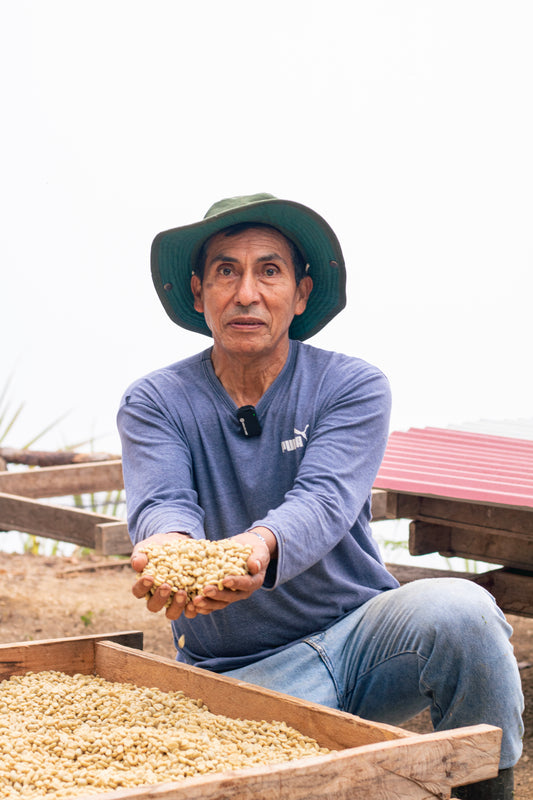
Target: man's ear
<point x="196" y="288"/>
<point x="303" y="291"/>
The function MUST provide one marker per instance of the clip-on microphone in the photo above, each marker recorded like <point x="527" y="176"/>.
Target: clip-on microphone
<point x="247" y="416"/>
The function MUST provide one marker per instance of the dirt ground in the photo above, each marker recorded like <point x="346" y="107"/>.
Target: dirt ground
<point x="45" y="597"/>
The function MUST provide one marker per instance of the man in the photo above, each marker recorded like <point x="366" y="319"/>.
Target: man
<point x="277" y="443"/>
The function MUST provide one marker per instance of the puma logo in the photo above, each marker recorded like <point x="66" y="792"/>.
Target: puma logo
<point x="293" y="444"/>
<point x="301" y="433"/>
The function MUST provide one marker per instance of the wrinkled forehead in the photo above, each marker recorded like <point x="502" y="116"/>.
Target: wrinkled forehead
<point x="257" y="237"/>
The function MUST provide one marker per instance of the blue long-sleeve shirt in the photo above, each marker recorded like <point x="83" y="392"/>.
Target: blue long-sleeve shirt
<point x="307" y="477"/>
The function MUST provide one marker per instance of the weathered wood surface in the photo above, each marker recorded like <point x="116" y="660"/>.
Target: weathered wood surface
<point x="472" y="541"/>
<point x="407" y="506"/>
<point x="70" y="655"/>
<point x="20" y="510"/>
<point x="371" y="760"/>
<point x="417" y="768"/>
<point x="512" y="589"/>
<point x="471" y="530"/>
<point x="73" y="525"/>
<point x="112" y="538"/>
<point x="82" y="568"/>
<point x="379" y="505"/>
<point x="48" y="458"/>
<point x="233" y="698"/>
<point x="63" y="481"/>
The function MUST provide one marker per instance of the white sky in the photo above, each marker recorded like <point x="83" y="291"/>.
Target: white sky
<point x="407" y="125"/>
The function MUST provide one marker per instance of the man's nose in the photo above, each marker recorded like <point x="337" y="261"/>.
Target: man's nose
<point x="247" y="292"/>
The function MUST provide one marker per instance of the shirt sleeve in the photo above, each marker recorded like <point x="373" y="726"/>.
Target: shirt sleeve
<point x="335" y="477"/>
<point x="157" y="467"/>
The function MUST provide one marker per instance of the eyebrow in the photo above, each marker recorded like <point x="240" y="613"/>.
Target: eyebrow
<point x="261" y="259"/>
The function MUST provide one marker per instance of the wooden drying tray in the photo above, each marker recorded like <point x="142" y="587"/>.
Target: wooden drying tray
<point x="21" y="508"/>
<point x="443" y="525"/>
<point x="372" y="760"/>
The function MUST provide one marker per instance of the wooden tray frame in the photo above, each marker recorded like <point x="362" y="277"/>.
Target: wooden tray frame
<point x="372" y="760"/>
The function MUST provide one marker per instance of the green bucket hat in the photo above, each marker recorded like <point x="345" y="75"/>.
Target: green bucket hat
<point x="175" y="252"/>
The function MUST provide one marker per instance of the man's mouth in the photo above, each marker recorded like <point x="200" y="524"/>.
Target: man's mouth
<point x="246" y="322"/>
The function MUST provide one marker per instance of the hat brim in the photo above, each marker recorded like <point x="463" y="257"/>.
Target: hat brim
<point x="174" y="253"/>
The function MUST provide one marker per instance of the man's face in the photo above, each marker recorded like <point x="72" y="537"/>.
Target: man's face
<point x="249" y="294"/>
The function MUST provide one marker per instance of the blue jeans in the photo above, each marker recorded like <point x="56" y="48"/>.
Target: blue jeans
<point x="442" y="643"/>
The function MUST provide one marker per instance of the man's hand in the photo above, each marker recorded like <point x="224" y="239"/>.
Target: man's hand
<point x="237" y="587"/>
<point x="141" y="588"/>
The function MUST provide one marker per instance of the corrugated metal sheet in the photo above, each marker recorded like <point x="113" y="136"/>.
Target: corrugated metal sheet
<point x="462" y="465"/>
<point x="515" y="428"/>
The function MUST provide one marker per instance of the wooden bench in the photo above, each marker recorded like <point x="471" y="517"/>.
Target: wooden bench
<point x="452" y="486"/>
<point x="467" y="495"/>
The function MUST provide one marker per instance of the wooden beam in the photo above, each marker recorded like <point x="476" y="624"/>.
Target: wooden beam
<point x="426" y="537"/>
<point x="486" y="515"/>
<point x="62" y="481"/>
<point x="50" y="458"/>
<point x="493" y="546"/>
<point x="72" y="525"/>
<point x="70" y="654"/>
<point x="512" y="589"/>
<point x="379" y="505"/>
<point x="401" y="506"/>
<point x="112" y="539"/>
<point x="405" y="573"/>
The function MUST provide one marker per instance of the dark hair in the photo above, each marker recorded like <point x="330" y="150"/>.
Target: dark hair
<point x="233" y="230"/>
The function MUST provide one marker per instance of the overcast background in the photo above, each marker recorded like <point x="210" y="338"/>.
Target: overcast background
<point x="407" y="125"/>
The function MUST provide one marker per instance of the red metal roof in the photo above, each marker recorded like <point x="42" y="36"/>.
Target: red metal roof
<point x="441" y="462"/>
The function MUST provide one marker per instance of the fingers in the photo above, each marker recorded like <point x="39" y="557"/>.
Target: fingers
<point x="142" y="587"/>
<point x="160" y="598"/>
<point x="138" y="561"/>
<point x="244" y="584"/>
<point x="178" y="605"/>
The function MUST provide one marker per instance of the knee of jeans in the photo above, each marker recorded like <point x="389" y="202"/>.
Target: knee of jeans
<point x="460" y="610"/>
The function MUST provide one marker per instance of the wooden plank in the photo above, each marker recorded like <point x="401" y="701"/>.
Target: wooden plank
<point x="405" y="573"/>
<point x="62" y="481"/>
<point x="493" y="546"/>
<point x="55" y="522"/>
<point x="402" y="506"/>
<point x="506" y="544"/>
<point x="410" y="506"/>
<point x="233" y="697"/>
<point x="513" y="590"/>
<point x="420" y="767"/>
<point x="379" y="505"/>
<point x="70" y="655"/>
<point x="484" y="515"/>
<point x="427" y="537"/>
<point x="436" y="762"/>
<point x="112" y="539"/>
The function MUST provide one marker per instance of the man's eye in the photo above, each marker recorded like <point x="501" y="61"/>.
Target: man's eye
<point x="225" y="270"/>
<point x="271" y="271"/>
